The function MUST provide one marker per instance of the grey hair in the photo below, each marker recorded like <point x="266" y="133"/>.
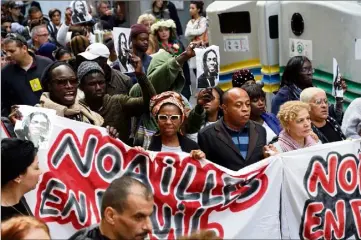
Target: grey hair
<point x="36" y="29"/>
<point x="308" y="93"/>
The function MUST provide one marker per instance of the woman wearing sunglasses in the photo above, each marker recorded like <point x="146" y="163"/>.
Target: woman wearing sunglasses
<point x="168" y="109"/>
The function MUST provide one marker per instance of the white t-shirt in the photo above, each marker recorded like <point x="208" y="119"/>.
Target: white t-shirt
<point x="270" y="133"/>
<point x="170" y="149"/>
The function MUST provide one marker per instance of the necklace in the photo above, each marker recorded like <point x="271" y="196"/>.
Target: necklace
<point x="17" y="209"/>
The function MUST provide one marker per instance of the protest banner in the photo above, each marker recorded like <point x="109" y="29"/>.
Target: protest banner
<point x="189" y="195"/>
<point x="321" y="192"/>
<point x="309" y="193"/>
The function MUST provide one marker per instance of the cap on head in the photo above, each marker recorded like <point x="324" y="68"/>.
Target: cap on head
<point x="94" y="51"/>
<point x="88" y="67"/>
<point x="137" y="29"/>
<point x="241" y="77"/>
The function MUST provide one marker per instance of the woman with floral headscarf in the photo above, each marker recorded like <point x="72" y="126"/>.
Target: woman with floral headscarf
<point x="169" y="111"/>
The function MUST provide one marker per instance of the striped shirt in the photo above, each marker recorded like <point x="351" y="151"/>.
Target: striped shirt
<point x="240" y="139"/>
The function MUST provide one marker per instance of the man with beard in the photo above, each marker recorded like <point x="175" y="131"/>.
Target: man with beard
<point x="210" y="67"/>
<point x="126" y="208"/>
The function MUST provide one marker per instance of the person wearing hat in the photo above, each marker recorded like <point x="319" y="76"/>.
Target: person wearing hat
<point x="15" y="12"/>
<point x="20" y="173"/>
<point x="20" y="83"/>
<point x="169" y="110"/>
<point x="117" y="110"/>
<point x="60" y="85"/>
<point x="117" y="82"/>
<point x="166" y="74"/>
<point x="139" y="37"/>
<point x="242" y="77"/>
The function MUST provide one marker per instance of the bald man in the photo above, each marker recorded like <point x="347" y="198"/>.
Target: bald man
<point x="234" y="141"/>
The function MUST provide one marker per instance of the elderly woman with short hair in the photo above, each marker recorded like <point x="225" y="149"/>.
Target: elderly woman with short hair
<point x="297" y="132"/>
<point x="325" y="127"/>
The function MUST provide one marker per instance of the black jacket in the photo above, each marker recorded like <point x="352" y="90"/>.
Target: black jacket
<point x="90" y="233"/>
<point x="20" y="87"/>
<point x="203" y="81"/>
<point x="217" y="144"/>
<point x="173" y="13"/>
<point x="186" y="144"/>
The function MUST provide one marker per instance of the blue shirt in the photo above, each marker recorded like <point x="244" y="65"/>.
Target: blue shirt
<point x="240" y="139"/>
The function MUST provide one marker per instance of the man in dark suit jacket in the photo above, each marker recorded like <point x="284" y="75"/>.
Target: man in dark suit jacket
<point x="234" y="141"/>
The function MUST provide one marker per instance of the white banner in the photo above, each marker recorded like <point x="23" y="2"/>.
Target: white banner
<point x="81" y="162"/>
<point x="321" y="192"/>
<point x="310" y="193"/>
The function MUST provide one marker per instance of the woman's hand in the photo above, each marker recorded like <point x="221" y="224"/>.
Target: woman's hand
<point x="197" y="154"/>
<point x="269" y="150"/>
<point x="139" y="149"/>
<point x="314" y="136"/>
<point x="15" y="114"/>
<point x="112" y="132"/>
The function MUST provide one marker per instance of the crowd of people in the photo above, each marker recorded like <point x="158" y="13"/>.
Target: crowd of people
<point x="59" y="65"/>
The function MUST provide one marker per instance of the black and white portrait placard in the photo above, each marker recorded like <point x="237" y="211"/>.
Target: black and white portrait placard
<point x="35" y="125"/>
<point x="122" y="48"/>
<point x="80" y="12"/>
<point x="207" y="61"/>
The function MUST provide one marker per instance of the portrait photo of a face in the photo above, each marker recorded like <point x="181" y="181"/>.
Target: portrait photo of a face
<point x="122" y="47"/>
<point x="36" y="128"/>
<point x="80" y="12"/>
<point x="210" y="67"/>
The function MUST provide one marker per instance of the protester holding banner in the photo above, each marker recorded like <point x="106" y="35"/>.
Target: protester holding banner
<point x="19" y="174"/>
<point x="126" y="208"/>
<point x="297" y="132"/>
<point x="117" y="82"/>
<point x="24" y="227"/>
<point x="169" y="110"/>
<point x="258" y="111"/>
<point x="351" y="124"/>
<point x="118" y="109"/>
<point x="242" y="77"/>
<point x="60" y="90"/>
<point x="234" y="141"/>
<point x="166" y="74"/>
<point x="325" y="127"/>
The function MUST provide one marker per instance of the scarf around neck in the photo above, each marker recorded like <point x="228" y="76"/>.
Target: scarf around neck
<point x="63" y="111"/>
<point x="287" y="143"/>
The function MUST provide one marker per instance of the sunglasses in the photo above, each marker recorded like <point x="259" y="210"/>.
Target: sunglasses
<point x="163" y="118"/>
<point x="64" y="82"/>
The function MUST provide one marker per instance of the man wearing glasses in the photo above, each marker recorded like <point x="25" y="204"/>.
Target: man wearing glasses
<point x="20" y="78"/>
<point x="39" y="35"/>
<point x="326" y="128"/>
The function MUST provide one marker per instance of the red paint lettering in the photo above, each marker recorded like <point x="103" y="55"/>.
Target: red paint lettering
<point x="335" y="225"/>
<point x="312" y="221"/>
